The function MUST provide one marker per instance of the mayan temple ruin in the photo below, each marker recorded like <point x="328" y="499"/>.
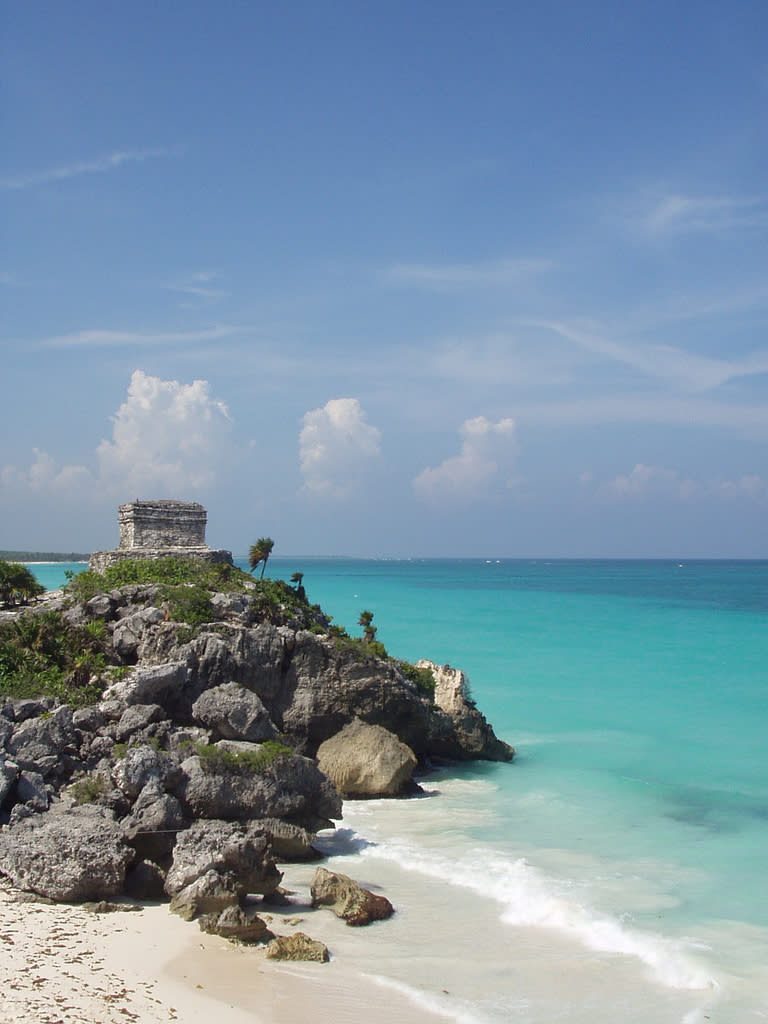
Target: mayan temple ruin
<point x="159" y="529"/>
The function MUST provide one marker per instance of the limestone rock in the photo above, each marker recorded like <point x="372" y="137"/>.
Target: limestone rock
<point x="347" y="899"/>
<point x="297" y="947"/>
<point x="45" y="744"/>
<point x="234" y="713"/>
<point x="291" y="787"/>
<point x="227" y="848"/>
<point x="241" y="924"/>
<point x="137" y="717"/>
<point x="70" y="856"/>
<point x="154" y="822"/>
<point x="140" y="766"/>
<point x="210" y="893"/>
<point x="366" y="761"/>
<point x="474" y="733"/>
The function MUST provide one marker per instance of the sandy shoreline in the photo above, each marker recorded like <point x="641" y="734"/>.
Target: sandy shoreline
<point x="63" y="964"/>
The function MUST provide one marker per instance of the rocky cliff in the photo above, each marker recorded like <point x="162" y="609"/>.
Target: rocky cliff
<point x="195" y="769"/>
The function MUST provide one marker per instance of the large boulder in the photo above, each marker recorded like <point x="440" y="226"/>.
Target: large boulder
<point x="348" y="899"/>
<point x="235" y="851"/>
<point x="289" y="787"/>
<point x="234" y="713"/>
<point x="367" y="761"/>
<point x="69" y="856"/>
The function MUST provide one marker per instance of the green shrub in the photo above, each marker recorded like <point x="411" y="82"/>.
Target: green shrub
<point x="422" y="678"/>
<point x="214" y="759"/>
<point x="88" y="789"/>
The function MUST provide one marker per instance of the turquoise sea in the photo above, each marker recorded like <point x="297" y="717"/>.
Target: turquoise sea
<point x="616" y="871"/>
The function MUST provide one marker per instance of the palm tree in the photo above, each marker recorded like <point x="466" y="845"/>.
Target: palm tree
<point x="260" y="552"/>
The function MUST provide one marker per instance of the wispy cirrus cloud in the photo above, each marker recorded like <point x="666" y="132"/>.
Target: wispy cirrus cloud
<point x="115" y="339"/>
<point x="201" y="287"/>
<point x="463" y="275"/>
<point x="677" y="366"/>
<point x="663" y="213"/>
<point x="98" y="165"/>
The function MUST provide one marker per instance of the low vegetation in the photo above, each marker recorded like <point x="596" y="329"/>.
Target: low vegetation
<point x="42" y="655"/>
<point x="215" y="759"/>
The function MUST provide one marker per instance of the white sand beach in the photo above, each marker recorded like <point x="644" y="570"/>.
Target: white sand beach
<point x="63" y="964"/>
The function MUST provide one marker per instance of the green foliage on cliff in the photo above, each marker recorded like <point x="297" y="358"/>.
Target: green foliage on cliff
<point x="421" y="677"/>
<point x="214" y="759"/>
<point x="169" y="571"/>
<point x="42" y="655"/>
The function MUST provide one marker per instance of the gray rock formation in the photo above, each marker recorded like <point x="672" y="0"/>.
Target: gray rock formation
<point x="290" y="787"/>
<point x="70" y="857"/>
<point x="347" y="899"/>
<point x="239" y="854"/>
<point x="234" y="713"/>
<point x="367" y="761"/>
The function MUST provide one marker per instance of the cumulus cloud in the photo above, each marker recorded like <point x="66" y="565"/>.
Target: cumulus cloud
<point x="487" y="455"/>
<point x="335" y="444"/>
<point x="657" y="481"/>
<point x="168" y="438"/>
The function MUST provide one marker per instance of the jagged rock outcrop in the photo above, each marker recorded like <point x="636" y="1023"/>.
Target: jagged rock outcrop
<point x="348" y="899"/>
<point x="367" y="761"/>
<point x="71" y="856"/>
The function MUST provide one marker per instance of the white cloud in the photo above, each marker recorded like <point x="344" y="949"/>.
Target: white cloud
<point x="649" y="480"/>
<point x="169" y="439"/>
<point x="657" y="481"/>
<point x="440" y="276"/>
<point x="43" y="476"/>
<point x="98" y="165"/>
<point x="487" y="453"/>
<point x="166" y="436"/>
<point x="674" y="365"/>
<point x="335" y="444"/>
<point x="113" y="339"/>
<point x="200" y="286"/>
<point x="676" y="214"/>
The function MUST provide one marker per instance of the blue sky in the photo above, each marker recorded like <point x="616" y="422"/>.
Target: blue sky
<point x="388" y="279"/>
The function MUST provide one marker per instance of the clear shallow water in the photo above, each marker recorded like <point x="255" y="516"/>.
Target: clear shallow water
<point x="624" y="852"/>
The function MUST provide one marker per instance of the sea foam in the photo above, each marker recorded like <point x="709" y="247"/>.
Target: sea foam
<point x="528" y="898"/>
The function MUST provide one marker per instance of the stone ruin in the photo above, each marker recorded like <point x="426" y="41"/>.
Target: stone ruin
<point x="160" y="529"/>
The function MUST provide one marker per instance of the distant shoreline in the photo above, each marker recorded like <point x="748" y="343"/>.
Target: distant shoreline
<point x="44" y="557"/>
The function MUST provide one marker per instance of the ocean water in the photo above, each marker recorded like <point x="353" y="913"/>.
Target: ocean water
<point x="616" y="871"/>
